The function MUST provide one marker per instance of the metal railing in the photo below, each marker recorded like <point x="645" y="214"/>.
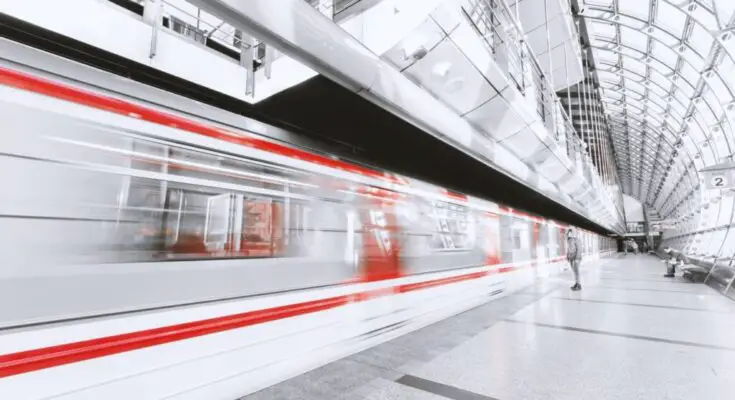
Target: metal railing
<point x="498" y="26"/>
<point x="491" y="22"/>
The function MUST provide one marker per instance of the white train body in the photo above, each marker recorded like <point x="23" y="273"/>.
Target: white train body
<point x="146" y="255"/>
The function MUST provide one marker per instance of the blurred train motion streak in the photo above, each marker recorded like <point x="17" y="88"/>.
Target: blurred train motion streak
<point x="148" y="254"/>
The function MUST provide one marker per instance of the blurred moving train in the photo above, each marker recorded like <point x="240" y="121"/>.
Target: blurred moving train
<point x="148" y="252"/>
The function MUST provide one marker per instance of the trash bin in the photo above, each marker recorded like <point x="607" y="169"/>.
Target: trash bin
<point x="670" y="269"/>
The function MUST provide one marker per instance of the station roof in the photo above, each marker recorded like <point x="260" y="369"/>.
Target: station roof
<point x="666" y="71"/>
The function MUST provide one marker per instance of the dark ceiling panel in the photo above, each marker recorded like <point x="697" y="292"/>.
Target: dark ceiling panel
<point x="321" y="105"/>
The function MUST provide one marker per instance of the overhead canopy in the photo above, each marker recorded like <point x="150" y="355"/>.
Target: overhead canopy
<point x="667" y="80"/>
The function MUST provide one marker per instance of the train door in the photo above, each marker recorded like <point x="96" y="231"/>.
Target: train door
<point x="262" y="228"/>
<point x="490" y="226"/>
<point x="522" y="236"/>
<point x="553" y="246"/>
<point x="381" y="245"/>
<point x="218" y="222"/>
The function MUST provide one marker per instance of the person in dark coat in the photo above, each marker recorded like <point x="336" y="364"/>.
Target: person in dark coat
<point x="574" y="256"/>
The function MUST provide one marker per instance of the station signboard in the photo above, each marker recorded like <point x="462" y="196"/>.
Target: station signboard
<point x="720" y="176"/>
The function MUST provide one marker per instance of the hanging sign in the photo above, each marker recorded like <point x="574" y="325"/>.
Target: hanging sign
<point x="720" y="176"/>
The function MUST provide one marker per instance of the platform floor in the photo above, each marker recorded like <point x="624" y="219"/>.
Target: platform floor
<point x="629" y="334"/>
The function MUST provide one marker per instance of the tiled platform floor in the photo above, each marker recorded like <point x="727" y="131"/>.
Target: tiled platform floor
<point x="629" y="334"/>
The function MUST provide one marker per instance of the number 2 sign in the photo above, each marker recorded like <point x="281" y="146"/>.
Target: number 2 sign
<point x="720" y="180"/>
<point x="720" y="176"/>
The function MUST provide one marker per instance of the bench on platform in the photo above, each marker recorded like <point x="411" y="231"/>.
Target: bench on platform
<point x="694" y="273"/>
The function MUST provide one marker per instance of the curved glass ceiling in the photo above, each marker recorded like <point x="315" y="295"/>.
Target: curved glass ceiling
<point x="667" y="75"/>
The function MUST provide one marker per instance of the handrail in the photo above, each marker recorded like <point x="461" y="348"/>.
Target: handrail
<point x="548" y="103"/>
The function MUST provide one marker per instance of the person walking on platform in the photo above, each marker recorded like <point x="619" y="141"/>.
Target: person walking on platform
<point x="574" y="256"/>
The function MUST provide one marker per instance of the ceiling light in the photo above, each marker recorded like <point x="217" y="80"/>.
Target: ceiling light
<point x="441" y="69"/>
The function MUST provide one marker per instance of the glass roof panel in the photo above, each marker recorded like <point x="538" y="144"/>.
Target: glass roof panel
<point x="650" y="102"/>
<point x="689" y="73"/>
<point x="704" y="17"/>
<point x="671" y="18"/>
<point x="605" y="57"/>
<point x="725" y="10"/>
<point x="632" y="38"/>
<point x="708" y="155"/>
<point x="660" y="92"/>
<point x="635" y="8"/>
<point x="635" y="66"/>
<point x="658" y="65"/>
<point x="659" y="79"/>
<point x="719" y="88"/>
<point x="663" y="36"/>
<point x="631" y="21"/>
<point x="632" y="52"/>
<point x="713" y="102"/>
<point x="603" y="30"/>
<point x="700" y="40"/>
<point x="667" y="56"/>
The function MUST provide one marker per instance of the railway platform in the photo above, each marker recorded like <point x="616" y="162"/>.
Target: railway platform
<point x="629" y="334"/>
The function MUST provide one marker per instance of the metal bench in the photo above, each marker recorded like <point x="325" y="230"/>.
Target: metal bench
<point x="694" y="273"/>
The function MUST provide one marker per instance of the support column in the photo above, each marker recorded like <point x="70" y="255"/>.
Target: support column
<point x="152" y="13"/>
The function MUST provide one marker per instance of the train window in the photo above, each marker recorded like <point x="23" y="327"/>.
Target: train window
<point x="181" y="203"/>
<point x="454" y="229"/>
<point x="217" y="225"/>
<point x="185" y="222"/>
<point x="200" y="223"/>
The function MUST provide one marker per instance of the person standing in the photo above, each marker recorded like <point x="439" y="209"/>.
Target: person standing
<point x="574" y="256"/>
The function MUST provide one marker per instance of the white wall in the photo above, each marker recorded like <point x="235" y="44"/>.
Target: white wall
<point x="107" y="26"/>
<point x="633" y="209"/>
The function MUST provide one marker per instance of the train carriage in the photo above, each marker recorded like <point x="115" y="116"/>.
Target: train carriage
<point x="140" y="245"/>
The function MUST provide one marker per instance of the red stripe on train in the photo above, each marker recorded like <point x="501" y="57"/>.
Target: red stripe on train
<point x="61" y="91"/>
<point x="47" y="357"/>
<point x="410" y="287"/>
<point x="54" y="356"/>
